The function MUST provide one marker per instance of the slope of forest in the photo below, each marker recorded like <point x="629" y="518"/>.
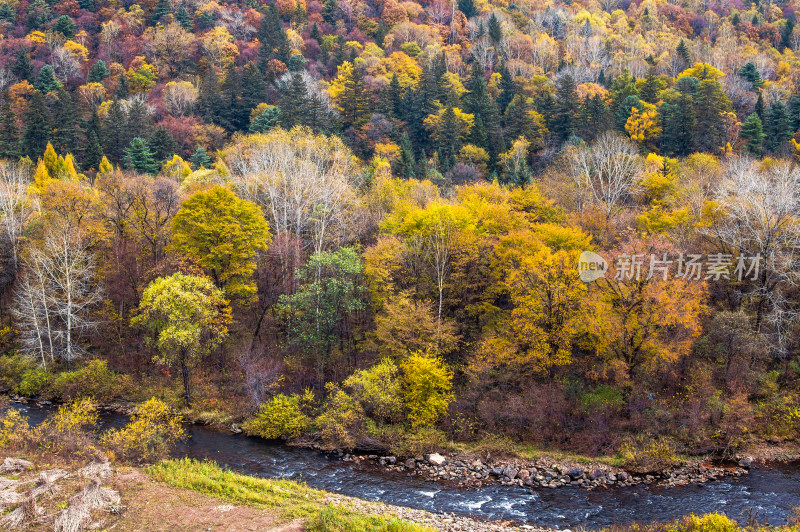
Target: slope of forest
<point x="358" y="223"/>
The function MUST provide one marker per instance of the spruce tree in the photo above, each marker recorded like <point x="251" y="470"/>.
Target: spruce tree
<point x="777" y="127"/>
<point x="786" y="34"/>
<point x="294" y="103"/>
<point x="66" y="131"/>
<point x="200" y="158"/>
<point x="115" y="135"/>
<point x="354" y="101"/>
<point x="22" y="67"/>
<point x="508" y="89"/>
<point x="751" y="74"/>
<point x="9" y="133"/>
<point x="139" y="122"/>
<point x="753" y="133"/>
<point x="161" y="144"/>
<point x="46" y="81"/>
<point x="267" y="120"/>
<point x="330" y="12"/>
<point x="65" y="26"/>
<point x="448" y="141"/>
<point x="794" y="111"/>
<point x="184" y="18"/>
<point x="678" y="124"/>
<point x="122" y="89"/>
<point x="98" y="72"/>
<point x="94" y="151"/>
<point x="139" y="157"/>
<point x="37" y="127"/>
<point x="88" y="5"/>
<point x="486" y="133"/>
<point x="759" y="108"/>
<point x="711" y="106"/>
<point x="495" y="31"/>
<point x="406" y="164"/>
<point x="7" y="13"/>
<point x="162" y="9"/>
<point x="683" y="53"/>
<point x="211" y="104"/>
<point x="467" y="7"/>
<point x="566" y="108"/>
<point x="381" y="33"/>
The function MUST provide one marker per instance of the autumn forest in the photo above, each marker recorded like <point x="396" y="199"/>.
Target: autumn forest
<point x="358" y="223"/>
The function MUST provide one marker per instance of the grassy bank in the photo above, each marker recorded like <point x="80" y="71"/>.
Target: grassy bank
<point x="290" y="499"/>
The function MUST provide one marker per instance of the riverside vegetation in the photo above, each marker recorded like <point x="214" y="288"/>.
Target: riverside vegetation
<point x="355" y="225"/>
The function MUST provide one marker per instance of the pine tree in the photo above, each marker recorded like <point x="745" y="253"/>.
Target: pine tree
<point x="736" y="20"/>
<point x="98" y="72"/>
<point x="115" y="133"/>
<point x="711" y="105"/>
<point x="66" y="130"/>
<point x="233" y="116"/>
<point x="751" y="74"/>
<point x="315" y="34"/>
<point x="777" y="127"/>
<point x="211" y="104"/>
<point x="406" y="164"/>
<point x="752" y="132"/>
<point x="37" y="126"/>
<point x="495" y="31"/>
<point x="448" y="141"/>
<point x="161" y="144"/>
<point x="381" y="33"/>
<point x="254" y="87"/>
<point x="200" y="158"/>
<point x="88" y="5"/>
<point x="683" y="53"/>
<point x="7" y="13"/>
<point x="759" y="109"/>
<point x="267" y="120"/>
<point x="486" y="133"/>
<point x="22" y="67"/>
<point x="94" y="151"/>
<point x="94" y="143"/>
<point x="122" y="89"/>
<point x="650" y="86"/>
<point x="678" y="124"/>
<point x="330" y="12"/>
<point x="47" y="82"/>
<point x="508" y="89"/>
<point x="294" y="103"/>
<point x="794" y="111"/>
<point x="65" y="26"/>
<point x="566" y="108"/>
<point x="139" y="157"/>
<point x="139" y="123"/>
<point x="9" y="133"/>
<point x="354" y="101"/>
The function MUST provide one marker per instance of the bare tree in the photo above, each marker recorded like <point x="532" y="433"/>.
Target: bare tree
<point x="305" y="184"/>
<point x="57" y="293"/>
<point x="16" y="207"/>
<point x="760" y="208"/>
<point x="179" y="97"/>
<point x="607" y="172"/>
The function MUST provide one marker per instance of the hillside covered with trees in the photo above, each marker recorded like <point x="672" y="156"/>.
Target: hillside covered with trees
<point x="358" y="223"/>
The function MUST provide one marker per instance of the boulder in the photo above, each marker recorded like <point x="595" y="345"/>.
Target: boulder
<point x="410" y="463"/>
<point x="436" y="459"/>
<point x="746" y="462"/>
<point x="510" y="472"/>
<point x="575" y="473"/>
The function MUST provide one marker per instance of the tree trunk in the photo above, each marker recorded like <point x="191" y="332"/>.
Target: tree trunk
<point x="186" y="384"/>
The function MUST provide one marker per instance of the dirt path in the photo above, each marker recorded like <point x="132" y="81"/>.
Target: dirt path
<point x="152" y="506"/>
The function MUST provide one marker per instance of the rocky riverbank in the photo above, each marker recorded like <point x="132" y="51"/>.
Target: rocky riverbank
<point x="470" y="472"/>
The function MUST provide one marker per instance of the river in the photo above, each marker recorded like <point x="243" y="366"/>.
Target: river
<point x="768" y="493"/>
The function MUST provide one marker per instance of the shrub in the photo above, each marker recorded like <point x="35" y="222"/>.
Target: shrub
<point x="151" y="434"/>
<point x="68" y="430"/>
<point x="12" y="368"/>
<point x="377" y="389"/>
<point x="709" y="523"/>
<point x="427" y="385"/>
<point x="283" y="416"/>
<point x="422" y="441"/>
<point x="33" y="382"/>
<point x="645" y="455"/>
<point x="15" y="432"/>
<point x="341" y="423"/>
<point x="92" y="380"/>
